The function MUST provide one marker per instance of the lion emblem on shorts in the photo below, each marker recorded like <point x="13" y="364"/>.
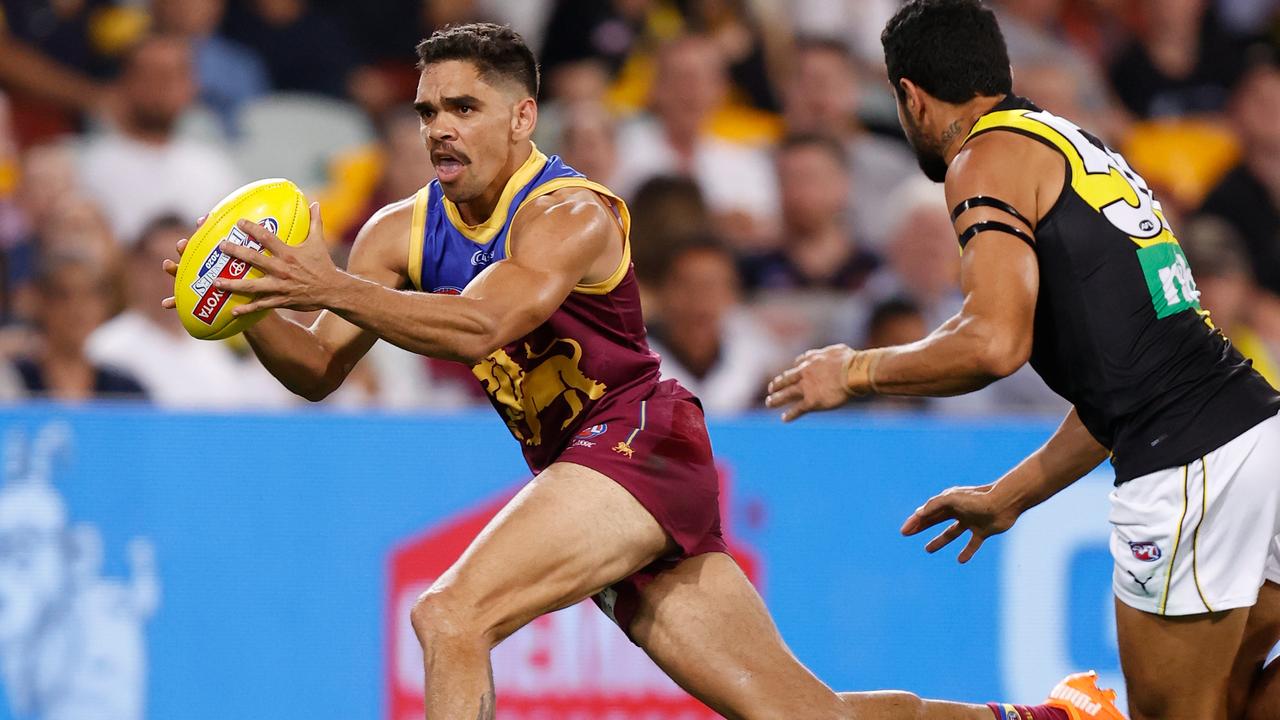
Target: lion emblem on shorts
<point x="524" y="394"/>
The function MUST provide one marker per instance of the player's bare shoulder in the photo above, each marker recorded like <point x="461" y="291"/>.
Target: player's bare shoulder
<point x="382" y="245"/>
<point x="568" y="224"/>
<point x="1015" y="168"/>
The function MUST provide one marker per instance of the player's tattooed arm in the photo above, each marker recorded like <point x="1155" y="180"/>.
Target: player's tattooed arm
<point x="987" y="510"/>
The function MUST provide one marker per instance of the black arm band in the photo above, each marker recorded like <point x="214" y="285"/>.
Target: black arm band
<point x="982" y="201"/>
<point x="995" y="226"/>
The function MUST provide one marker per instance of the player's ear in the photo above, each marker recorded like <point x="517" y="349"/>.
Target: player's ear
<point x="524" y="119"/>
<point x="911" y="97"/>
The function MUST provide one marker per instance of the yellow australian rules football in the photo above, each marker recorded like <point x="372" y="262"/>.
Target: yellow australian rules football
<point x="205" y="311"/>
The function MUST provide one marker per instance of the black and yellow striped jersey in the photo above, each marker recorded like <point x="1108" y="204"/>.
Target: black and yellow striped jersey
<point x="1119" y="331"/>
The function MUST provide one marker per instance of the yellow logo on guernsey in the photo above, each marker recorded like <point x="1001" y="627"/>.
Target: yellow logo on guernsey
<point x="524" y="394"/>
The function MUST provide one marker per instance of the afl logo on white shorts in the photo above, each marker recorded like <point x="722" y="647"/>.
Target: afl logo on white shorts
<point x="1145" y="551"/>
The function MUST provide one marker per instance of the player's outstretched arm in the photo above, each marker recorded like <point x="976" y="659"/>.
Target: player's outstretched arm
<point x="313" y="361"/>
<point x="558" y="241"/>
<point x="990" y="337"/>
<point x="988" y="510"/>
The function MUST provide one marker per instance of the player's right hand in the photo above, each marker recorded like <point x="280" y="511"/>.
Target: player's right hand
<point x="975" y="509"/>
<point x="815" y="382"/>
<point x="171" y="267"/>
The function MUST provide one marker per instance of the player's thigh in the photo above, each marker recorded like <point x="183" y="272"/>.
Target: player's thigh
<point x="565" y="536"/>
<point x="1251" y="691"/>
<point x="705" y="625"/>
<point x="1178" y="668"/>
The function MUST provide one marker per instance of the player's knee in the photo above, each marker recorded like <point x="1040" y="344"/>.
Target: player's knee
<point x="436" y="617"/>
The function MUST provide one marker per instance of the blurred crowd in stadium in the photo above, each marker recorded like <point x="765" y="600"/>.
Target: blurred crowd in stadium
<point x="776" y="206"/>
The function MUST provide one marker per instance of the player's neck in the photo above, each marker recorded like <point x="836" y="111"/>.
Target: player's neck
<point x="958" y="122"/>
<point x="479" y="209"/>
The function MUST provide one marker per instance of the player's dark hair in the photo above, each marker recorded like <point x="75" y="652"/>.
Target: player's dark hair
<point x="952" y="49"/>
<point x="497" y="51"/>
<point x="817" y="141"/>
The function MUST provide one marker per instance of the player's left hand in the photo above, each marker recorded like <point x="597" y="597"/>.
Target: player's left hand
<point x="977" y="510"/>
<point x="817" y="381"/>
<point x="295" y="276"/>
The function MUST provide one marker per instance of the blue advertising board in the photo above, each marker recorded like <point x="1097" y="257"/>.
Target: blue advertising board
<point x="213" y="566"/>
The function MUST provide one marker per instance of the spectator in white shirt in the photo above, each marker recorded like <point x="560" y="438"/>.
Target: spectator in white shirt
<point x="150" y="343"/>
<point x="823" y="97"/>
<point x="143" y="169"/>
<point x="706" y="338"/>
<point x="672" y="139"/>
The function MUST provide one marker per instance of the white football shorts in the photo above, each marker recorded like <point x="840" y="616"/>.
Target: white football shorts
<point x="1201" y="537"/>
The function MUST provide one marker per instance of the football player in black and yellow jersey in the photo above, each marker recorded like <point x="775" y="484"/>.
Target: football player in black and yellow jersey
<point x="1070" y="263"/>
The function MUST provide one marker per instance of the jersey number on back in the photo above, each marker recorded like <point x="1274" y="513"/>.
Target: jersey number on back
<point x="1111" y="186"/>
<point x="1125" y="200"/>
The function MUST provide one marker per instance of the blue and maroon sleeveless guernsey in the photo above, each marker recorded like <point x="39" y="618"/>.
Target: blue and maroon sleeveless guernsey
<point x="591" y="354"/>
<point x="583" y="388"/>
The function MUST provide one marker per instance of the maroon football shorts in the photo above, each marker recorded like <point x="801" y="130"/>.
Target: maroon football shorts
<point x="658" y="449"/>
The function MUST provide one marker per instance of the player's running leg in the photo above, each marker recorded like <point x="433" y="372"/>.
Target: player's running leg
<point x="706" y="627"/>
<point x="1255" y="693"/>
<point x="1178" y="668"/>
<point x="568" y="534"/>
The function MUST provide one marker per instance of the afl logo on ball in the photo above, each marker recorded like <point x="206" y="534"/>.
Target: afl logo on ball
<point x="594" y="431"/>
<point x="1145" y="551"/>
<point x="271" y="224"/>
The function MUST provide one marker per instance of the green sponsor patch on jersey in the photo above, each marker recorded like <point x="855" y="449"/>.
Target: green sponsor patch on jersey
<point x="1169" y="279"/>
